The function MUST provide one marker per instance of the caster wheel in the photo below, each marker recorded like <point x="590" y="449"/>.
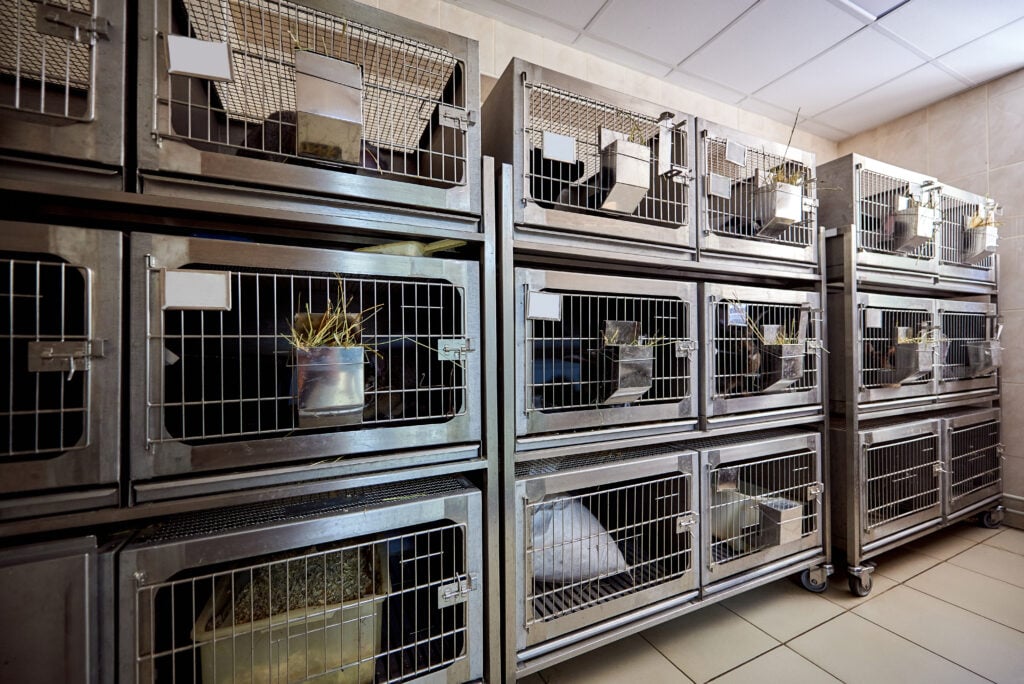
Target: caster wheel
<point x="860" y="586"/>
<point x="990" y="519"/>
<point x="810" y="585"/>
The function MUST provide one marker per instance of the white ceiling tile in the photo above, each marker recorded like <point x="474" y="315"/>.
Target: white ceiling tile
<point x="770" y="40"/>
<point x="622" y="56"/>
<point x="774" y="113"/>
<point x="877" y="8"/>
<point x="823" y="130"/>
<point x="697" y="84"/>
<point x="574" y="13"/>
<point x="667" y="31"/>
<point x="902" y="95"/>
<point x="998" y="53"/>
<point x="862" y="61"/>
<point x="938" y="26"/>
<point x="521" y="19"/>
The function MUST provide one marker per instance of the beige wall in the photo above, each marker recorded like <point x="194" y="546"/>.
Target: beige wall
<point x="975" y="141"/>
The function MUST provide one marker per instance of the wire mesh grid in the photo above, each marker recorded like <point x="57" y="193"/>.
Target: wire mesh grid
<point x="570" y="366"/>
<point x="902" y="478"/>
<point x="582" y="184"/>
<point x="42" y="73"/>
<point x="956" y="216"/>
<point x="588" y="547"/>
<point x="761" y="348"/>
<point x="737" y="212"/>
<point x="877" y="203"/>
<point x="408" y="88"/>
<point x="229" y="374"/>
<point x="882" y="329"/>
<point x="975" y="459"/>
<point x="960" y="329"/>
<point x="359" y="611"/>
<point x="42" y="301"/>
<point x="763" y="503"/>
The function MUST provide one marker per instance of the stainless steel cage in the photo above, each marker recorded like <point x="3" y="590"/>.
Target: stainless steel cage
<point x="758" y="200"/>
<point x="974" y="455"/>
<point x="970" y="348"/>
<point x="599" y="352"/>
<point x="320" y="97"/>
<point x="961" y="246"/>
<point x="376" y="584"/>
<point x="216" y="382"/>
<point x="592" y="168"/>
<point x="62" y="85"/>
<point x="762" y="352"/>
<point x="761" y="501"/>
<point x="602" y="534"/>
<point x="60" y="290"/>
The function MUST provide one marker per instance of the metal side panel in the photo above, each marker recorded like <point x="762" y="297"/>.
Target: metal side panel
<point x="440" y="295"/>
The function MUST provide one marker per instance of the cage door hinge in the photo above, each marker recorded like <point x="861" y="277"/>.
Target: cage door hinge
<point x="76" y="26"/>
<point x="456" y="592"/>
<point x="815" y="490"/>
<point x="685" y="347"/>
<point x="454" y="117"/>
<point x="685" y="522"/>
<point x="44" y="357"/>
<point x="454" y="349"/>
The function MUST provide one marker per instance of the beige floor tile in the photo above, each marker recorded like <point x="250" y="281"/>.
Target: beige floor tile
<point x="1009" y="539"/>
<point x="973" y="531"/>
<point x="975" y="592"/>
<point x="856" y="650"/>
<point x="628" y="660"/>
<point x="839" y="590"/>
<point x="994" y="562"/>
<point x="942" y="545"/>
<point x="902" y="564"/>
<point x="980" y="645"/>
<point x="778" y="665"/>
<point x="709" y="642"/>
<point x="783" y="609"/>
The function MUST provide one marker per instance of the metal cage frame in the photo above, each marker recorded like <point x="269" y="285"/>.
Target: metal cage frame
<point x="537" y="427"/>
<point x="951" y="266"/>
<point x="724" y="410"/>
<point x="211" y="539"/>
<point x="92" y="141"/>
<point x="164" y="160"/>
<point x="506" y="130"/>
<point x="606" y="474"/>
<point x="790" y="254"/>
<point x="153" y="455"/>
<point x="85" y="474"/>
<point x="990" y="451"/>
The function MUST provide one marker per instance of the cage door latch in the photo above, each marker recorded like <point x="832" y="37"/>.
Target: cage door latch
<point x="76" y="26"/>
<point x="685" y="522"/>
<point x="44" y="357"/>
<point x="685" y="347"/>
<point x="456" y="592"/>
<point x="453" y="349"/>
<point x="454" y="117"/>
<point x="815" y="490"/>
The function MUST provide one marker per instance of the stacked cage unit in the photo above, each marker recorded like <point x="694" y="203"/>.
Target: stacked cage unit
<point x="627" y="358"/>
<point x="277" y="350"/>
<point x="914" y="333"/>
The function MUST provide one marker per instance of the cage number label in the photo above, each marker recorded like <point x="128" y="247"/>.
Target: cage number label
<point x="199" y="58"/>
<point x="557" y="147"/>
<point x="872" y="318"/>
<point x="738" y="314"/>
<point x="200" y="290"/>
<point x="543" y="306"/>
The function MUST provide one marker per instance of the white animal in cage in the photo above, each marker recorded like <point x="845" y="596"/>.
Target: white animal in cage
<point x="571" y="545"/>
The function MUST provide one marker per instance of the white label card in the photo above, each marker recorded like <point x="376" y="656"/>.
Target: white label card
<point x="558" y="147"/>
<point x="202" y="290"/>
<point x="738" y="314"/>
<point x="735" y="153"/>
<point x="199" y="58"/>
<point x="872" y="318"/>
<point x="543" y="306"/>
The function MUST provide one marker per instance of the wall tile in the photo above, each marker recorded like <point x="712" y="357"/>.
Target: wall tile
<point x="511" y="42"/>
<point x="824" y="149"/>
<point x="1012" y="226"/>
<point x="769" y="129"/>
<point x="1013" y="354"/>
<point x="1013" y="475"/>
<point x="699" y="105"/>
<point x="957" y="135"/>
<point x="1006" y="121"/>
<point x="1011" y="284"/>
<point x="563" y="58"/>
<point x="1013" y="417"/>
<point x="1007" y="184"/>
<point x="977" y="183"/>
<point x="865" y="143"/>
<point x="426" y="11"/>
<point x="1006" y="83"/>
<point x="480" y="28"/>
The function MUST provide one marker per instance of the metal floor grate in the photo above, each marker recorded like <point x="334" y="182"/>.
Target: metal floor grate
<point x="229" y="374"/>
<point x="975" y="459"/>
<point x="41" y="413"/>
<point x="956" y="216"/>
<point x="42" y="73"/>
<point x="902" y="479"/>
<point x="877" y="202"/>
<point x="581" y="185"/>
<point x="731" y="208"/>
<point x="880" y="333"/>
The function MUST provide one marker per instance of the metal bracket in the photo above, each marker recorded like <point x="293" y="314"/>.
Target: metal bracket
<point x="815" y="490"/>
<point x="75" y="26"/>
<point x="685" y="522"/>
<point x="938" y="468"/>
<point x="810" y="203"/>
<point x="456" y="592"/>
<point x="454" y="117"/>
<point x="685" y="347"/>
<point x="454" y="349"/>
<point x="45" y="357"/>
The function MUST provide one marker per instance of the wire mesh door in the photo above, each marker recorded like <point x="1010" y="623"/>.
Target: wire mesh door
<point x="578" y="150"/>
<point x="231" y="370"/>
<point x="970" y="344"/>
<point x="975" y="462"/>
<point x="605" y="545"/>
<point x="902" y="483"/>
<point x="407" y="112"/>
<point x="957" y="213"/>
<point x="888" y="222"/>
<point x="888" y="338"/>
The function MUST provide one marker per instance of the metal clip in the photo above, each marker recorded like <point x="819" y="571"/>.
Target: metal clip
<point x="45" y="357"/>
<point x="454" y="117"/>
<point x="685" y="522"/>
<point x="456" y="592"/>
<point x="810" y="203"/>
<point x="75" y="26"/>
<point x="685" y="347"/>
<point x="454" y="349"/>
<point x="815" y="490"/>
<point x="937" y="468"/>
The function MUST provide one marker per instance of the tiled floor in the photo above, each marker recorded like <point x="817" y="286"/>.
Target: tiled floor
<point x="947" y="608"/>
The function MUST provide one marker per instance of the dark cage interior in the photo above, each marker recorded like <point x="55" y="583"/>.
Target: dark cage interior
<point x="975" y="459"/>
<point x="413" y="113"/>
<point x="882" y="330"/>
<point x="231" y="373"/>
<point x="960" y="329"/>
<point x="572" y="363"/>
<point x="42" y="299"/>
<point x="902" y="478"/>
<point x="877" y="202"/>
